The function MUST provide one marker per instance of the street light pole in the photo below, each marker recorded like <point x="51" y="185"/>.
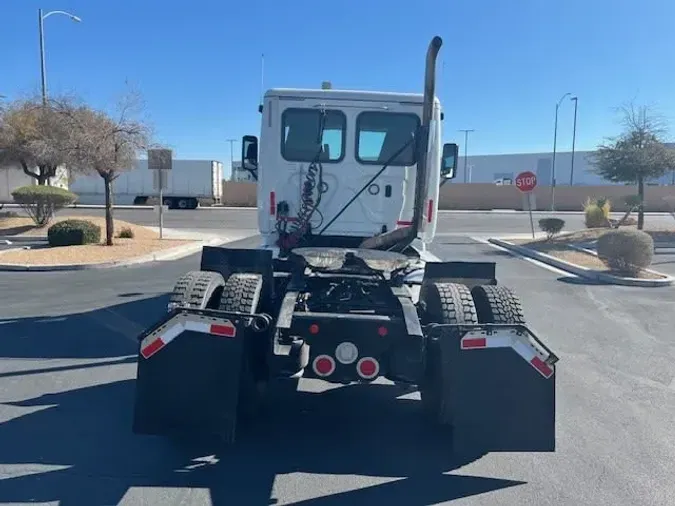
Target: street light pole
<point x="42" y="58"/>
<point x="574" y="137"/>
<point x="43" y="73"/>
<point x="231" y="141"/>
<point x="466" y="148"/>
<point x="555" y="140"/>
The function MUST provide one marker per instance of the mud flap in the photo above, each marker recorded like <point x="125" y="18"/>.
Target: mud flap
<point x="188" y="375"/>
<point x="503" y="388"/>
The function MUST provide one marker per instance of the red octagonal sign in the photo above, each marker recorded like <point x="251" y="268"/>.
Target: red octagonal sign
<point x="526" y="181"/>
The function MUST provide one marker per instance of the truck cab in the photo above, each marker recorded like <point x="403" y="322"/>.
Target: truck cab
<point x="321" y="156"/>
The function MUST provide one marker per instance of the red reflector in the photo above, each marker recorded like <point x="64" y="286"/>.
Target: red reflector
<point x="430" y="210"/>
<point x="474" y="342"/>
<point x="323" y="366"/>
<point x="403" y="222"/>
<point x="382" y="331"/>
<point x="223" y="330"/>
<point x="368" y="368"/>
<point x="273" y="203"/>
<point x="313" y="328"/>
<point x="152" y="348"/>
<point x="542" y="367"/>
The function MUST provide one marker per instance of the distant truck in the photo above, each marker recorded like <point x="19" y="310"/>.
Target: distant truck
<point x="189" y="184"/>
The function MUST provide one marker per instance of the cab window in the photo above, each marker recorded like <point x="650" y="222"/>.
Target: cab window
<point x="300" y="135"/>
<point x="379" y="135"/>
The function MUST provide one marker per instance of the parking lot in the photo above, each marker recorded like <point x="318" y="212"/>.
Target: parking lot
<point x="67" y="363"/>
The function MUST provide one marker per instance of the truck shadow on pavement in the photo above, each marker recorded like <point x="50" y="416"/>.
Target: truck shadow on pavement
<point x="76" y="446"/>
<point x="346" y="431"/>
<point x="102" y="333"/>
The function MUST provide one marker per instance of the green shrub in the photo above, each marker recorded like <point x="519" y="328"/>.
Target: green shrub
<point x="551" y="226"/>
<point x="626" y="250"/>
<point x="41" y="202"/>
<point x="73" y="233"/>
<point x="596" y="212"/>
<point x="126" y="233"/>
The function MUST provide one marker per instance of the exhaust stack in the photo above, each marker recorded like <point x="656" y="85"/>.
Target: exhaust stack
<point x="401" y="238"/>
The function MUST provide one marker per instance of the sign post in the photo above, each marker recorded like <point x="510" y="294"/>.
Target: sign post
<point x="160" y="160"/>
<point x="526" y="182"/>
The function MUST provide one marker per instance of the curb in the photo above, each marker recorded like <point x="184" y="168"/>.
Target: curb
<point x="584" y="272"/>
<point x="170" y="254"/>
<point x="23" y="238"/>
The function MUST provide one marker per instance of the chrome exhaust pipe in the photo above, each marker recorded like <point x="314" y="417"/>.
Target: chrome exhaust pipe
<point x="399" y="239"/>
<point x="423" y="142"/>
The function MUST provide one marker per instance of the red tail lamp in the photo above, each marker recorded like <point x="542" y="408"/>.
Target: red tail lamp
<point x="368" y="368"/>
<point x="323" y="365"/>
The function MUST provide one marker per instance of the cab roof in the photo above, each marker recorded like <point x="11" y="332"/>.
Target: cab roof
<point x="357" y="95"/>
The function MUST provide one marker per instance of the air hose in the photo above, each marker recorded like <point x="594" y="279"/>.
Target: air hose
<point x="290" y="236"/>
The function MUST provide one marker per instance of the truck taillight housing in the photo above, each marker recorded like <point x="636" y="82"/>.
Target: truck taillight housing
<point x="273" y="203"/>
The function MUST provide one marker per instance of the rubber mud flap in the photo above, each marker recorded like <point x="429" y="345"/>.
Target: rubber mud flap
<point x="190" y="387"/>
<point x="500" y="402"/>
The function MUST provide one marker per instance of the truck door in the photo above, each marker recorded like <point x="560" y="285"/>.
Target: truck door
<point x="355" y="144"/>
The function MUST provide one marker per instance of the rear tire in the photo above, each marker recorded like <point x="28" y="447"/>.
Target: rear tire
<point x="241" y="293"/>
<point x="443" y="303"/>
<point x="497" y="304"/>
<point x="197" y="290"/>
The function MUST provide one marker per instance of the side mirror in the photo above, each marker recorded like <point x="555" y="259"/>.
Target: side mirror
<point x="449" y="162"/>
<point x="249" y="154"/>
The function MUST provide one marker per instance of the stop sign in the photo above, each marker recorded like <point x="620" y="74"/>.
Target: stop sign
<point x="526" y="181"/>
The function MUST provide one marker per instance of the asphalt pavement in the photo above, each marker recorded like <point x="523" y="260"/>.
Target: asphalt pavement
<point x="476" y="223"/>
<point x="67" y="363"/>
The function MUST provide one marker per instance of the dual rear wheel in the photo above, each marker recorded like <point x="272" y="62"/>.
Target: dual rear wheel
<point x="239" y="293"/>
<point x="454" y="303"/>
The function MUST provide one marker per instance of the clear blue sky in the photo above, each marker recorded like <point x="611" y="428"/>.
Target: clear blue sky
<point x="505" y="63"/>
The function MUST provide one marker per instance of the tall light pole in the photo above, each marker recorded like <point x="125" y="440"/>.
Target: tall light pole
<point x="43" y="73"/>
<point x="574" y="137"/>
<point x="466" y="147"/>
<point x="555" y="140"/>
<point x="232" y="141"/>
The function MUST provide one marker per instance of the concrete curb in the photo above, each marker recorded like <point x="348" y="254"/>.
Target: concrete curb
<point x="584" y="272"/>
<point x="595" y="253"/>
<point x="170" y="254"/>
<point x="23" y="238"/>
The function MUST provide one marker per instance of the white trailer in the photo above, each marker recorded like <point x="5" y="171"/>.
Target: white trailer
<point x="12" y="177"/>
<point x="188" y="184"/>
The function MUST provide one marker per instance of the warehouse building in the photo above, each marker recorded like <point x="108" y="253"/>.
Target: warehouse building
<point x="502" y="169"/>
<point x="240" y="175"/>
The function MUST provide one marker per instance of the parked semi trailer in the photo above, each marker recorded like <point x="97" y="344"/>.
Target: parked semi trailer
<point x="189" y="184"/>
<point x="13" y="177"/>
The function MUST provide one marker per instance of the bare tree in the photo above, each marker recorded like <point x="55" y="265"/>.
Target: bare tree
<point x="638" y="154"/>
<point x="108" y="145"/>
<point x="34" y="136"/>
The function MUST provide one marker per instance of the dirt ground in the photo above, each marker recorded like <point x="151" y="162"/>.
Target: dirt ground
<point x="559" y="247"/>
<point x="144" y="242"/>
<point x="658" y="234"/>
<point x="23" y="226"/>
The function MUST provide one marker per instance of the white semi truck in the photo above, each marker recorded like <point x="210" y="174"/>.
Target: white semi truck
<point x="188" y="184"/>
<point x="342" y="290"/>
